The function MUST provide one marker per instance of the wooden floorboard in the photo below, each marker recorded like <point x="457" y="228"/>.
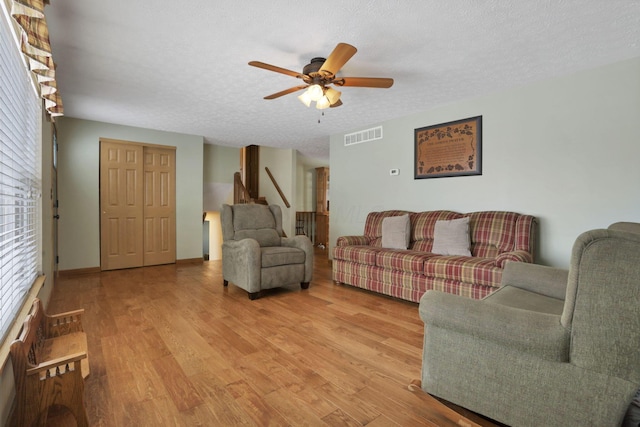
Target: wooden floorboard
<point x="169" y="345"/>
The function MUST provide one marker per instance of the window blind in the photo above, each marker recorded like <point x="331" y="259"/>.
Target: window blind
<point x="20" y="182"/>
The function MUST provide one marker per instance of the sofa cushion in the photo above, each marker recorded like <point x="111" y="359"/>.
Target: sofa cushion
<point x="481" y="271"/>
<point x="360" y="254"/>
<point x="422" y="228"/>
<point x="408" y="261"/>
<point x="492" y="232"/>
<point x="452" y="237"/>
<point x="396" y="231"/>
<point x="281" y="255"/>
<point x="373" y="225"/>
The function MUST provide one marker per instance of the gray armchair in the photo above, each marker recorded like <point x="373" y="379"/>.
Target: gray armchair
<point x="255" y="256"/>
<point x="551" y="347"/>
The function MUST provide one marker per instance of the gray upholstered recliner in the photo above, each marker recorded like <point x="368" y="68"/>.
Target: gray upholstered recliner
<point x="255" y="256"/>
<point x="551" y="347"/>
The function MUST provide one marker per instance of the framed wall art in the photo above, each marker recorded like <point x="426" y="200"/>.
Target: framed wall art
<point x="449" y="149"/>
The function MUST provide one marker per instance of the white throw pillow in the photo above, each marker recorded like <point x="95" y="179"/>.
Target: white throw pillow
<point x="452" y="237"/>
<point x="396" y="231"/>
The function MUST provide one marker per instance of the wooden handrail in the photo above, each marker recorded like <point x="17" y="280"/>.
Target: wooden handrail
<point x="240" y="193"/>
<point x="284" y="199"/>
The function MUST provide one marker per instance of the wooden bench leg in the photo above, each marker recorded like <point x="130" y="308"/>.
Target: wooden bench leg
<point x="76" y="405"/>
<point x="66" y="390"/>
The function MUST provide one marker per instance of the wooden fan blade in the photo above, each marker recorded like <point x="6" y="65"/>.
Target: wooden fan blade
<point x="340" y="55"/>
<point x="380" y="82"/>
<point x="276" y="69"/>
<point x="285" y="92"/>
<point x="336" y="104"/>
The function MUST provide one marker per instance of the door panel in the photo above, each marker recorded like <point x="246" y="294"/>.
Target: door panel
<point x="137" y="198"/>
<point x="159" y="206"/>
<point x="121" y="171"/>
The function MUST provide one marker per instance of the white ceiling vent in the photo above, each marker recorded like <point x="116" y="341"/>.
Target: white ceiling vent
<point x="363" y="136"/>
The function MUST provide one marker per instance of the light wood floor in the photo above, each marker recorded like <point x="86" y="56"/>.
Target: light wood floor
<point x="170" y="345"/>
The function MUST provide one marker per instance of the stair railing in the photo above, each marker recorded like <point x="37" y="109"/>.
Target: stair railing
<point x="240" y="193"/>
<point x="284" y="198"/>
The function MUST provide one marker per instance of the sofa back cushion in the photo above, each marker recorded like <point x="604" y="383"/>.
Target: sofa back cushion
<point x="492" y="232"/>
<point x="423" y="225"/>
<point x="373" y="225"/>
<point x="451" y="237"/>
<point x="396" y="232"/>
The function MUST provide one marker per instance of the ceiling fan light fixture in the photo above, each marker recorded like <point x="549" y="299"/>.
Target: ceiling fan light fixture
<point x="315" y="92"/>
<point x="305" y="98"/>
<point x="332" y="95"/>
<point x="321" y="73"/>
<point x="323" y="103"/>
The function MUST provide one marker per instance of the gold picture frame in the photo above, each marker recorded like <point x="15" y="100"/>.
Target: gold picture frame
<point x="449" y="149"/>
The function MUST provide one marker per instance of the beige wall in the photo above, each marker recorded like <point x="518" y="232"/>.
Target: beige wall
<point x="220" y="163"/>
<point x="78" y="184"/>
<point x="565" y="150"/>
<point x="295" y="175"/>
<point x="306" y="182"/>
<point x="283" y="165"/>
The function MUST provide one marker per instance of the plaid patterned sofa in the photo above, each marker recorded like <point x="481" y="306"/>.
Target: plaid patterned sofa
<point x="496" y="238"/>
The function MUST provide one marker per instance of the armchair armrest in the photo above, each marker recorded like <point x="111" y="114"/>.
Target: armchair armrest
<point x="57" y="363"/>
<point x="517" y="256"/>
<point x="63" y="323"/>
<point x="628" y="227"/>
<point x="73" y="313"/>
<point x="242" y="246"/>
<point x="352" y="241"/>
<point x="304" y="243"/>
<point x="549" y="281"/>
<point x="241" y="263"/>
<point x="528" y="331"/>
<point x="300" y="242"/>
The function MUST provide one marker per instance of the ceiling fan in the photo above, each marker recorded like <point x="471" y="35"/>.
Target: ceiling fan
<point x="320" y="73"/>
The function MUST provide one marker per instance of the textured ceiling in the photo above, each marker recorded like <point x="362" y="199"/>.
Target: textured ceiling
<point x="182" y="66"/>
